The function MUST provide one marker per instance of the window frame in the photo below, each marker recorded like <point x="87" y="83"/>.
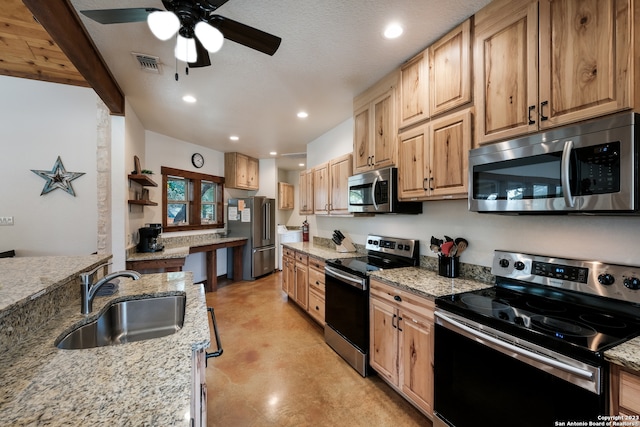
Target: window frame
<point x="195" y="204"/>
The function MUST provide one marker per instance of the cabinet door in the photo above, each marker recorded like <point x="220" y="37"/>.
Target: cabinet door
<point x="505" y="71"/>
<point x="321" y="189"/>
<point x="285" y="196"/>
<point x="302" y="285"/>
<point x="290" y="273"/>
<point x="585" y="59"/>
<point x="361" y="140"/>
<point x="450" y="70"/>
<point x="305" y="190"/>
<point x="252" y="173"/>
<point x="449" y="154"/>
<point x="416" y="354"/>
<point x="384" y="340"/>
<point x="242" y="171"/>
<point x="413" y="168"/>
<point x="340" y="169"/>
<point x="385" y="131"/>
<point x="414" y="90"/>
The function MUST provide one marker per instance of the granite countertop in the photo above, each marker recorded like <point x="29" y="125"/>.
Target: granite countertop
<point x="23" y="278"/>
<point x="426" y="283"/>
<point x="178" y="247"/>
<point x="319" y="251"/>
<point x="626" y="354"/>
<point x="139" y="383"/>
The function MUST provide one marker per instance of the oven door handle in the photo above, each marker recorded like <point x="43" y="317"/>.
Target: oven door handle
<point x="518" y="350"/>
<point x="354" y="281"/>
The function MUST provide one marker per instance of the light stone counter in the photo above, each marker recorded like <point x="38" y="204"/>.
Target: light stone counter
<point x="23" y="278"/>
<point x="320" y="251"/>
<point x="626" y="354"/>
<point x="145" y="383"/>
<point x="178" y="247"/>
<point x="426" y="283"/>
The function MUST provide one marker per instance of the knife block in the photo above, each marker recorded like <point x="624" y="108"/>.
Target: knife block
<point x="346" y="246"/>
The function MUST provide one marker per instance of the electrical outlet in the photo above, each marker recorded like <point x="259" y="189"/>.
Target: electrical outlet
<point x="6" y="220"/>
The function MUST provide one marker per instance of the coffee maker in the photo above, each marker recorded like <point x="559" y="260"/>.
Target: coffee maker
<point x="149" y="238"/>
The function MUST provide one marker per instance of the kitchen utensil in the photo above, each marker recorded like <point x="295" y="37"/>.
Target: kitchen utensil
<point x="446" y="247"/>
<point x="454" y="250"/>
<point x="462" y="245"/>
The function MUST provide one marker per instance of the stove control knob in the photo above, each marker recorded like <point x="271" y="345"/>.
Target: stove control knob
<point x="519" y="265"/>
<point x="632" y="283"/>
<point x="606" y="279"/>
<point x="504" y="263"/>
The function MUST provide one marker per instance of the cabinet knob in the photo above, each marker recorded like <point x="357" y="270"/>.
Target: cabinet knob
<point x="397" y="298"/>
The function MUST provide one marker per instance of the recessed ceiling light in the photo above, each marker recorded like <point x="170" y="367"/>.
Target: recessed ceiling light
<point x="301" y="164"/>
<point x="393" y="31"/>
<point x="189" y="98"/>
<point x="234" y="138"/>
<point x="303" y="114"/>
<point x="273" y="153"/>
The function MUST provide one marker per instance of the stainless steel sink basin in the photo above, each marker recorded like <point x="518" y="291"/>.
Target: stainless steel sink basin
<point x="128" y="321"/>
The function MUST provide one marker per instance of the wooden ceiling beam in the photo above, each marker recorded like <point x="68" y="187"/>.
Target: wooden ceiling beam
<point x="62" y="23"/>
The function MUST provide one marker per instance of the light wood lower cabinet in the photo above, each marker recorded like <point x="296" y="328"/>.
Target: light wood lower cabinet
<point x="198" y="388"/>
<point x="401" y="343"/>
<point x="302" y="280"/>
<point x="625" y="391"/>
<point x="316" y="289"/>
<point x="288" y="272"/>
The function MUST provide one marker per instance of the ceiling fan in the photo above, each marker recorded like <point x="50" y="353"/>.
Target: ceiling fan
<point x="199" y="30"/>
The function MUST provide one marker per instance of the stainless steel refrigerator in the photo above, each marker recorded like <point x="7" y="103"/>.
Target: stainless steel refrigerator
<point x="255" y="219"/>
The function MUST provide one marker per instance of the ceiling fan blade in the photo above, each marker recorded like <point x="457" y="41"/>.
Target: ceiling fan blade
<point x="203" y="59"/>
<point x="119" y="16"/>
<point x="245" y="35"/>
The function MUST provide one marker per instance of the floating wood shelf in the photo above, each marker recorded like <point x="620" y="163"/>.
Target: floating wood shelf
<point x="143" y="202"/>
<point x="143" y="179"/>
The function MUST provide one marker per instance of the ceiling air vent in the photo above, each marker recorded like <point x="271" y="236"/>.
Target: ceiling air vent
<point x="148" y="63"/>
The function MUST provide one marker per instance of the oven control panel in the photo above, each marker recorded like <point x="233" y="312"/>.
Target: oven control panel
<point x="392" y="245"/>
<point x="620" y="282"/>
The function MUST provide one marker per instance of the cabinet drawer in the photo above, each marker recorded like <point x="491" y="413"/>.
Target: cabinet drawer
<point x="317" y="264"/>
<point x="302" y="258"/>
<point x="403" y="299"/>
<point x="289" y="252"/>
<point x="316" y="306"/>
<point x="316" y="280"/>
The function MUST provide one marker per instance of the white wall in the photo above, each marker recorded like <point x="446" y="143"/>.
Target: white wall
<point x="40" y="121"/>
<point x="607" y="239"/>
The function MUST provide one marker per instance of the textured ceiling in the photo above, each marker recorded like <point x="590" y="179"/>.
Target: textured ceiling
<point x="331" y="51"/>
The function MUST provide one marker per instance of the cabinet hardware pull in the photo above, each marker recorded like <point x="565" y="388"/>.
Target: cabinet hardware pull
<point x="397" y="297"/>
<point x="542" y="116"/>
<point x="531" y="108"/>
<point x="431" y="184"/>
<point x="392" y="321"/>
<point x="399" y="320"/>
<point x="424" y="181"/>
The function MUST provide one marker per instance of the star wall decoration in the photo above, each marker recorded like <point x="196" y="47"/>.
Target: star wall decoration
<point x="58" y="177"/>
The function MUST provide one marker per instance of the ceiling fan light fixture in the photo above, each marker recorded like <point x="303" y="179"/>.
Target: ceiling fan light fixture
<point x="186" y="49"/>
<point x="210" y="37"/>
<point x="163" y="24"/>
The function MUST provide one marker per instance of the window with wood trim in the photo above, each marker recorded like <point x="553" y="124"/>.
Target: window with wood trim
<point x="191" y="200"/>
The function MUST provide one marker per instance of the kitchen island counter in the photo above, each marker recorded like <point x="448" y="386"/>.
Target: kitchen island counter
<point x="138" y="383"/>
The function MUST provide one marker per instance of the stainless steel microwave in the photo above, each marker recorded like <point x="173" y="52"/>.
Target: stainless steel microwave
<point x="377" y="192"/>
<point x="589" y="168"/>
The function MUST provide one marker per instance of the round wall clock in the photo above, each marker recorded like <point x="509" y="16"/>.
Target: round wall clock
<point x="197" y="160"/>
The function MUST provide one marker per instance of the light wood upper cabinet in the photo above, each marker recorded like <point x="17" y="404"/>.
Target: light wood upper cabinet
<point x="375" y="129"/>
<point x="450" y="70"/>
<point x="414" y="90"/>
<point x="433" y="158"/>
<point x="305" y="190"/>
<point x="285" y="196"/>
<point x="330" y="186"/>
<point x="241" y="171"/>
<point x="585" y="66"/>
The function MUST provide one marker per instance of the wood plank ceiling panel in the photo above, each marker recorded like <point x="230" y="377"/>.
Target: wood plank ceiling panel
<point x="28" y="51"/>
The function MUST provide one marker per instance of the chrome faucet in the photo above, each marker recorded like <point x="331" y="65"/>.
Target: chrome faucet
<point x="89" y="290"/>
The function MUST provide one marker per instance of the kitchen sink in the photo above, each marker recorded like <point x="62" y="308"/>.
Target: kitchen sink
<point x="128" y="321"/>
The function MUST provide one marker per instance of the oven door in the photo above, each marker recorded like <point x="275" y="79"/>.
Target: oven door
<point x="478" y="375"/>
<point x="347" y="316"/>
<point x="561" y="172"/>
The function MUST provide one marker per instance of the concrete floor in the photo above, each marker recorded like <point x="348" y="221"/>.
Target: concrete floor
<point x="276" y="369"/>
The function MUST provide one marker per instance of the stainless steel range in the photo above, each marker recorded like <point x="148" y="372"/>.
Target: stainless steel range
<point x="530" y="350"/>
<point x="347" y="295"/>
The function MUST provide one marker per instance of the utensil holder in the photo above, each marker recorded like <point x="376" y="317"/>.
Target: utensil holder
<point x="448" y="266"/>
